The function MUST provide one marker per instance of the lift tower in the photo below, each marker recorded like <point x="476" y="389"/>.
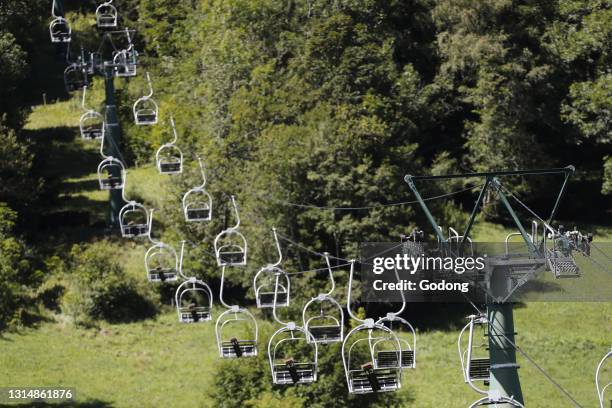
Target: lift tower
<point x="503" y="378"/>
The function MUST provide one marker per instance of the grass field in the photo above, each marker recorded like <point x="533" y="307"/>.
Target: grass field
<point x="159" y="363"/>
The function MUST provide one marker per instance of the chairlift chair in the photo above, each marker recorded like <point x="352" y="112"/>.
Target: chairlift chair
<point x="292" y="352"/>
<point x="193" y="301"/>
<point x="268" y="293"/>
<point x="326" y="326"/>
<point x="385" y="353"/>
<point x="293" y="357"/>
<point x="106" y="15"/>
<point x="75" y="77"/>
<point x="169" y="158"/>
<point x="197" y="202"/>
<point x="558" y="253"/>
<point x="91" y="123"/>
<point x="134" y="220"/>
<point x="161" y="263"/>
<point x="263" y="285"/>
<point x="233" y="346"/>
<point x="230" y="245"/>
<point x="145" y="109"/>
<point x="362" y="376"/>
<point x="60" y="30"/>
<point x="474" y="368"/>
<point x="111" y="174"/>
<point x="125" y="62"/>
<point x="601" y="389"/>
<point x="236" y="329"/>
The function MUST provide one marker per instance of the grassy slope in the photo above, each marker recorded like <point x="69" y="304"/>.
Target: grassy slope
<point x="161" y="363"/>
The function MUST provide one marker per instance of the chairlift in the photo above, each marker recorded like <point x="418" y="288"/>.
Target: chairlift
<point x="161" y="260"/>
<point x="193" y="301"/>
<point x="385" y="353"/>
<point x="236" y="329"/>
<point x="134" y="219"/>
<point x="111" y="171"/>
<point x="75" y="77"/>
<point x="106" y="15"/>
<point x="169" y="158"/>
<point x="475" y="368"/>
<point x="558" y="252"/>
<point x="111" y="174"/>
<point x="197" y="202"/>
<point x="326" y="326"/>
<point x="362" y="375"/>
<point x="601" y="390"/>
<point x="60" y="31"/>
<point x="91" y="123"/>
<point x="267" y="295"/>
<point x="292" y="352"/>
<point x="453" y="236"/>
<point x="59" y="28"/>
<point x="230" y="245"/>
<point x="126" y="61"/>
<point x="145" y="108"/>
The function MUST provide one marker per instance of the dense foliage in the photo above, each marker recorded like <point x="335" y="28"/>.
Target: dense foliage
<point x="332" y="103"/>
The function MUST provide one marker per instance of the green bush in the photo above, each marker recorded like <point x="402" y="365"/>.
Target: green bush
<point x="98" y="288"/>
<point x="18" y="274"/>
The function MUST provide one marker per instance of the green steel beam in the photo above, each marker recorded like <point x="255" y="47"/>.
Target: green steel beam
<point x="503" y="373"/>
<point x="561" y="193"/>
<point x="564" y="170"/>
<point x="481" y="195"/>
<point x="532" y="248"/>
<point x="430" y="218"/>
<point x="112" y="136"/>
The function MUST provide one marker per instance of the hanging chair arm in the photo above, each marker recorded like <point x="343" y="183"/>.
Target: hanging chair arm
<point x="350" y="291"/>
<point x="202" y="171"/>
<point x="235" y="227"/>
<point x="151" y="228"/>
<point x="221" y="289"/>
<point x="150" y="85"/>
<point x="124" y="189"/>
<point x="173" y="125"/>
<point x="278" y="248"/>
<point x="403" y="307"/>
<point x="331" y="274"/>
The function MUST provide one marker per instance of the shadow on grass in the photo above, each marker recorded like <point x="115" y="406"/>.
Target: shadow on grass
<point x="94" y="403"/>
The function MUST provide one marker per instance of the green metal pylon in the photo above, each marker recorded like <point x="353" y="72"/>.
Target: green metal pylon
<point x="112" y="135"/>
<point x="504" y="376"/>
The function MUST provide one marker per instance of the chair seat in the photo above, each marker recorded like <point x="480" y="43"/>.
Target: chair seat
<point x="305" y="373"/>
<point x="231" y="257"/>
<point x="92" y="133"/>
<point x="135" y="230"/>
<point x="110" y="183"/>
<point x="388" y="359"/>
<point x="195" y="315"/>
<point x="479" y="368"/>
<point x="163" y="275"/>
<point x="247" y="348"/>
<point x="385" y="379"/>
<point x="198" y="214"/>
<point x="326" y="334"/>
<point x="562" y="266"/>
<point x="170" y="167"/>
<point x="266" y="299"/>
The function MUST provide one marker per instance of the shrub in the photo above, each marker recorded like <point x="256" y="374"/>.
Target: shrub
<point x="97" y="287"/>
